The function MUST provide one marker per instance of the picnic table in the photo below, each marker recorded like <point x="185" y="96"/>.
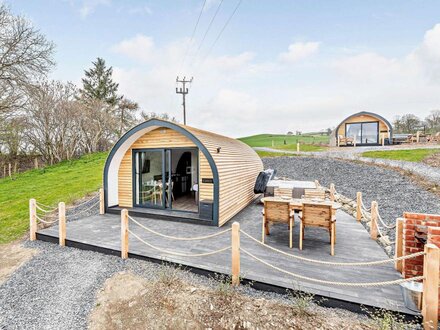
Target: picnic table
<point x="294" y="186"/>
<point x="296" y="204"/>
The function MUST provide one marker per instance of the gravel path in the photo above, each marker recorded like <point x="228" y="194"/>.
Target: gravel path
<point x="428" y="172"/>
<point x="394" y="192"/>
<point x="57" y="288"/>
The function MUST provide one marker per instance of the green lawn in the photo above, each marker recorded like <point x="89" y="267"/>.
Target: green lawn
<point x="66" y="181"/>
<point x="413" y="155"/>
<point x="277" y="140"/>
<point x="264" y="154"/>
<point x="302" y="147"/>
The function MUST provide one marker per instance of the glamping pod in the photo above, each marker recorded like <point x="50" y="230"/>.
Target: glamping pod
<point x="165" y="170"/>
<point x="362" y="128"/>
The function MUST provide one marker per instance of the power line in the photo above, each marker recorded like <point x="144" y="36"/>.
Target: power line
<point x="224" y="27"/>
<point x="193" y="33"/>
<point x="209" y="27"/>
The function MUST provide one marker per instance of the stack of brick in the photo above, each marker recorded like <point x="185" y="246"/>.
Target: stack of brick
<point x="414" y="266"/>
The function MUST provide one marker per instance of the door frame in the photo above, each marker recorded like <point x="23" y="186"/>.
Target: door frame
<point x="134" y="181"/>
<point x="365" y="122"/>
<point x="164" y="153"/>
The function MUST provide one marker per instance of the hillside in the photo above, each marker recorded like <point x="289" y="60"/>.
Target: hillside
<point x="66" y="181"/>
<point x="308" y="142"/>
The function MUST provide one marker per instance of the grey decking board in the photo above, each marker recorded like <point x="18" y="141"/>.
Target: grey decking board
<point x="353" y="244"/>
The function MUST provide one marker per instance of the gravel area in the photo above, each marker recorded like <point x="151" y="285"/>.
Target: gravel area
<point x="394" y="192"/>
<point x="58" y="287"/>
<point x="430" y="173"/>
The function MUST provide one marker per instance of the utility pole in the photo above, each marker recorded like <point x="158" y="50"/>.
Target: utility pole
<point x="183" y="90"/>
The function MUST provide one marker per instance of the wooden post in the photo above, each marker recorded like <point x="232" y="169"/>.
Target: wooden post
<point x="4" y="171"/>
<point x="62" y="223"/>
<point x="36" y="162"/>
<point x="32" y="219"/>
<point x="297" y="147"/>
<point x="354" y="140"/>
<point x="399" y="244"/>
<point x="101" y="201"/>
<point x="383" y="139"/>
<point x="235" y="253"/>
<point x="124" y="234"/>
<point x="373" y="228"/>
<point x="418" y="137"/>
<point x="430" y="286"/>
<point x="358" y="206"/>
<point x="10" y="170"/>
<point x="332" y="192"/>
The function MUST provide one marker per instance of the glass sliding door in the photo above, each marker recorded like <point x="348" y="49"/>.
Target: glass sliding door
<point x="149" y="178"/>
<point x="370" y="133"/>
<point x="354" y="131"/>
<point x="364" y="133"/>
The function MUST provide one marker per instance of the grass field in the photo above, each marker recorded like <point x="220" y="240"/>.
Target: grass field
<point x="264" y="154"/>
<point x="414" y="155"/>
<point x="66" y="181"/>
<point x="277" y="140"/>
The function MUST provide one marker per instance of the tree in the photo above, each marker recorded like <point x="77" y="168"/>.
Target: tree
<point x="126" y="115"/>
<point x="25" y="58"/>
<point x="408" y="123"/>
<point x="151" y="115"/>
<point x="99" y="85"/>
<point x="433" y="121"/>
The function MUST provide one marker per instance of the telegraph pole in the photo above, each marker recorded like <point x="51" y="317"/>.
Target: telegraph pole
<point x="183" y="90"/>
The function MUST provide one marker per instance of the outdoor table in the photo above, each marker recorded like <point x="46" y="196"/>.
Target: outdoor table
<point x="296" y="204"/>
<point x="296" y="186"/>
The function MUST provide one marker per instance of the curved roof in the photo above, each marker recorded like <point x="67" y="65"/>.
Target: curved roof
<point x="220" y="151"/>
<point x="366" y="113"/>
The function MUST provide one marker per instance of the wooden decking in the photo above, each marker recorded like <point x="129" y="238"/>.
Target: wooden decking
<point x="102" y="233"/>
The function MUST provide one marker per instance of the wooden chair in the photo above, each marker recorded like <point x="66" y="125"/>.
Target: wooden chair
<point x="314" y="194"/>
<point x="157" y="192"/>
<point x="343" y="140"/>
<point x="318" y="215"/>
<point x="277" y="212"/>
<point x="283" y="192"/>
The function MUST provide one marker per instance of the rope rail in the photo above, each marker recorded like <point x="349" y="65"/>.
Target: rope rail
<point x="178" y="253"/>
<point x="75" y="214"/>
<point x="45" y="221"/>
<point x="43" y="210"/>
<point x="348" y="284"/>
<point x="82" y="203"/>
<point x="179" y="238"/>
<point x="366" y="263"/>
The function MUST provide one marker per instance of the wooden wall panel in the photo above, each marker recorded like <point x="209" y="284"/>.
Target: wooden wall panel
<point x="157" y="138"/>
<point x="238" y="166"/>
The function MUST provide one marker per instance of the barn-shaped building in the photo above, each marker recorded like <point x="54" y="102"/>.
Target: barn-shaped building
<point x="363" y="128"/>
<point x="166" y="170"/>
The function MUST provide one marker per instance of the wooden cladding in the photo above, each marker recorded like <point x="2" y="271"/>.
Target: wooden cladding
<point x="158" y="138"/>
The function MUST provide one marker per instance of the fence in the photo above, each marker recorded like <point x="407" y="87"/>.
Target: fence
<point x="50" y="215"/>
<point x="430" y="275"/>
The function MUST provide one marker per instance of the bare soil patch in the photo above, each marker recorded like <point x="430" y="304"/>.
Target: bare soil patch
<point x="12" y="256"/>
<point x="128" y="301"/>
<point x="433" y="160"/>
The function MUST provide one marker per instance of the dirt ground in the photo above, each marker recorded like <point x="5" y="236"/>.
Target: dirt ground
<point x="433" y="160"/>
<point x="12" y="256"/>
<point x="128" y="301"/>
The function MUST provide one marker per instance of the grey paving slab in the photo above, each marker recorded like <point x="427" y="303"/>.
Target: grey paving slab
<point x="353" y="244"/>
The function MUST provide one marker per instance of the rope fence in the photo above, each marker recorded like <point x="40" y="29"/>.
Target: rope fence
<point x="330" y="263"/>
<point x="179" y="238"/>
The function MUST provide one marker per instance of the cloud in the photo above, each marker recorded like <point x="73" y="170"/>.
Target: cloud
<point x="140" y="48"/>
<point x="299" y="51"/>
<point x="236" y="95"/>
<point x="88" y="7"/>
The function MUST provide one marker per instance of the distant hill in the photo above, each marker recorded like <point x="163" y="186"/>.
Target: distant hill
<point x="269" y="140"/>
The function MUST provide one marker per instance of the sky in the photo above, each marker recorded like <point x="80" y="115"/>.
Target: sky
<point x="278" y="66"/>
